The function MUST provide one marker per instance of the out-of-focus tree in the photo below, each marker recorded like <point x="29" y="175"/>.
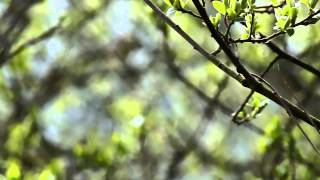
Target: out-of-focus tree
<point x="159" y="89"/>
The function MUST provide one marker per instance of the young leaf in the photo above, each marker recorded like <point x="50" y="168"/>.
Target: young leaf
<point x="313" y="3"/>
<point x="233" y="4"/>
<point x="212" y="19"/>
<point x="290" y="3"/>
<point x="305" y="2"/>
<point x="251" y="3"/>
<point x="283" y="22"/>
<point x="293" y="13"/>
<point x="245" y="36"/>
<point x="286" y="10"/>
<point x="248" y="21"/>
<point x="278" y="13"/>
<point x="275" y="2"/>
<point x="219" y="6"/>
<point x="183" y="3"/>
<point x="231" y="13"/>
<point x="259" y="108"/>
<point x="218" y="19"/>
<point x="169" y="2"/>
<point x="226" y="2"/>
<point x="177" y="4"/>
<point x="238" y="8"/>
<point x="257" y="26"/>
<point x="244" y="4"/>
<point x="215" y="20"/>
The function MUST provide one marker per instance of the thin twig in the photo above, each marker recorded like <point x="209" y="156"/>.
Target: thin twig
<point x="261" y="40"/>
<point x="303" y="22"/>
<point x="291" y="116"/>
<point x="292" y="59"/>
<point x="235" y="115"/>
<point x="182" y="10"/>
<point x="43" y="36"/>
<point x="194" y="44"/>
<point x="250" y="81"/>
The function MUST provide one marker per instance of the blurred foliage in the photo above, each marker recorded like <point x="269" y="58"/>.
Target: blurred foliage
<point x="102" y="89"/>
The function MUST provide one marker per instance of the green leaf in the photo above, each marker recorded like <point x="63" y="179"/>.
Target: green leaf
<point x="218" y="18"/>
<point x="215" y="20"/>
<point x="226" y="2"/>
<point x="242" y="114"/>
<point x="220" y="7"/>
<point x="256" y="102"/>
<point x="231" y="13"/>
<point x="212" y="19"/>
<point x="313" y="3"/>
<point x="177" y="4"/>
<point x="257" y="26"/>
<point x="278" y="13"/>
<point x="273" y="128"/>
<point x="282" y="170"/>
<point x="259" y="107"/>
<point x="233" y="4"/>
<point x="305" y="2"/>
<point x="245" y="36"/>
<point x="251" y="3"/>
<point x="238" y="8"/>
<point x="47" y="175"/>
<point x="290" y="3"/>
<point x="248" y="19"/>
<point x="286" y="10"/>
<point x="275" y="2"/>
<point x="283" y="22"/>
<point x="244" y="4"/>
<point x="293" y="13"/>
<point x="13" y="171"/>
<point x="169" y="2"/>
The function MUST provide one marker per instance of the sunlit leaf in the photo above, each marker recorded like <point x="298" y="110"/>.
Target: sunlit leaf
<point x="233" y="4"/>
<point x="46" y="175"/>
<point x="313" y="3"/>
<point x="169" y="2"/>
<point x="127" y="107"/>
<point x="293" y="13"/>
<point x="275" y="2"/>
<point x="283" y="23"/>
<point x="290" y="3"/>
<point x="251" y="3"/>
<point x="231" y="13"/>
<point x="306" y="3"/>
<point x="13" y="171"/>
<point x="177" y="4"/>
<point x="244" y="4"/>
<point x="245" y="36"/>
<point x="215" y="20"/>
<point x="220" y="7"/>
<point x="282" y="169"/>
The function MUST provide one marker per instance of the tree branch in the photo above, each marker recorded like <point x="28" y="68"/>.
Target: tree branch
<point x="235" y="115"/>
<point x="194" y="44"/>
<point x="283" y="54"/>
<point x="249" y="82"/>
